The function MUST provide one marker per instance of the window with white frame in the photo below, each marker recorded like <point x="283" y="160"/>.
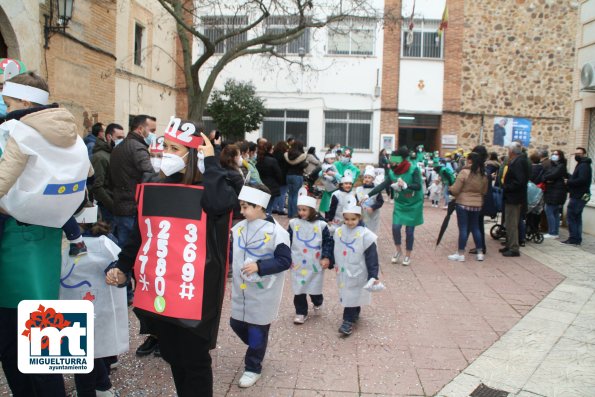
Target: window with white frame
<point x="279" y="24"/>
<point x="349" y="128"/>
<point x="278" y="125"/>
<point x="423" y="41"/>
<point x="216" y="27"/>
<point x="352" y="36"/>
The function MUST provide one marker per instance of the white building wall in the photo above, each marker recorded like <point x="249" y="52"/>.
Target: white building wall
<point x="149" y="88"/>
<point x="412" y="98"/>
<point x="22" y="25"/>
<point x="316" y="83"/>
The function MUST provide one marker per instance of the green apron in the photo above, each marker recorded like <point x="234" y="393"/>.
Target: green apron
<point x="409" y="204"/>
<point x="30" y="263"/>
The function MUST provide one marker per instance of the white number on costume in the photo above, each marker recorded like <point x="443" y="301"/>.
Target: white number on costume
<point x="149" y="232"/>
<point x="192" y="235"/>
<point x="188" y="272"/>
<point x="161" y="267"/>
<point x="160" y="286"/>
<point x="164" y="226"/>
<point x="143" y="262"/>
<point x="188" y="129"/>
<point x="190" y="253"/>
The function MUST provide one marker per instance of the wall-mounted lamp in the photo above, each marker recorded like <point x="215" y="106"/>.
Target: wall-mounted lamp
<point x="421" y="85"/>
<point x="63" y="9"/>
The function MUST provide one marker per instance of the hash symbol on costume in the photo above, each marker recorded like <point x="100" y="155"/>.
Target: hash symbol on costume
<point x="186" y="290"/>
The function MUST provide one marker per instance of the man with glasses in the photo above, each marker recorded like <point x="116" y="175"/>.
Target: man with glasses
<point x="579" y="189"/>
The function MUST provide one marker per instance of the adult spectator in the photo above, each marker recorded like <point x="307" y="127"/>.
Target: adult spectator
<point x="555" y="192"/>
<point x="544" y="158"/>
<point x="579" y="185"/>
<point x="536" y="175"/>
<point x="90" y="139"/>
<point x="296" y="160"/>
<point x="384" y="163"/>
<point x="129" y="164"/>
<point x="231" y="161"/>
<point x="469" y="191"/>
<point x="492" y="165"/>
<point x="279" y="154"/>
<point x="514" y="186"/>
<point x="249" y="163"/>
<point x="313" y="161"/>
<point x="489" y="207"/>
<point x="270" y="172"/>
<point x="102" y="183"/>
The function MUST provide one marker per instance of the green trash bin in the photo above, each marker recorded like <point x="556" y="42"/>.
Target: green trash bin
<point x="30" y="263"/>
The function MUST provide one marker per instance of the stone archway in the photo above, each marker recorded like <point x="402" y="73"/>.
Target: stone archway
<point x="9" y="47"/>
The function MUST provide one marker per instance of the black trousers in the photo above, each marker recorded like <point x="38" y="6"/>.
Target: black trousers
<point x="23" y="385"/>
<point x="351" y="314"/>
<point x="195" y="380"/>
<point x="301" y="302"/>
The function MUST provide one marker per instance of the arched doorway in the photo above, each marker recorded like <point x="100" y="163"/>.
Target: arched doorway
<point x="8" y="40"/>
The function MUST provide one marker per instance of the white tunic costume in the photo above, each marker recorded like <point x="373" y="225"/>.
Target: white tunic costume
<point x="52" y="185"/>
<point x="256" y="299"/>
<point x="307" y="275"/>
<point x="83" y="277"/>
<point x="371" y="220"/>
<point x="350" y="264"/>
<point x="344" y="200"/>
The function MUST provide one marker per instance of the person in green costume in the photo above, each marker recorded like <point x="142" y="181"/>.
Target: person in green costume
<point x="405" y="179"/>
<point x="342" y="165"/>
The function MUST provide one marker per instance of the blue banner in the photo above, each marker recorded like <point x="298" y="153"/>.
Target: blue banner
<point x="521" y="131"/>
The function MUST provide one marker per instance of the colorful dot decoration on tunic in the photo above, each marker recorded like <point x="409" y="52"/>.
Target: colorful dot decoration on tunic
<point x="243" y="286"/>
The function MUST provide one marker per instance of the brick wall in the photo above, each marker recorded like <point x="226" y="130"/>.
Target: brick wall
<point x="389" y="122"/>
<point x="80" y="78"/>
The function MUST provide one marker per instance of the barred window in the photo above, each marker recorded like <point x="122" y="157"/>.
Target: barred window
<point x="278" y="125"/>
<point x="348" y="128"/>
<point x="216" y="27"/>
<point x="352" y="36"/>
<point x="279" y="24"/>
<point x="424" y="41"/>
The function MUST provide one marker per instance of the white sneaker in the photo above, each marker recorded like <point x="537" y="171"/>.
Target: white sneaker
<point x="457" y="257"/>
<point x="445" y="207"/>
<point x="396" y="257"/>
<point x="300" y="319"/>
<point x="248" y="379"/>
<point x="547" y="235"/>
<point x="317" y="310"/>
<point x="480" y="257"/>
<point x="406" y="261"/>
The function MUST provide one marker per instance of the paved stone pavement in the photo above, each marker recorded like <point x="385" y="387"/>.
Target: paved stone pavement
<point x="433" y="322"/>
<point x="551" y="351"/>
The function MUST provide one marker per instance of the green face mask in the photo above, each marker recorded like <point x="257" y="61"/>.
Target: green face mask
<point x="396" y="159"/>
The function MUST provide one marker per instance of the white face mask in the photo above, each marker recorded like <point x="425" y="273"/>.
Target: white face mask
<point x="170" y="164"/>
<point x="118" y="141"/>
<point x="156" y="163"/>
<point x="555" y="157"/>
<point x="240" y="161"/>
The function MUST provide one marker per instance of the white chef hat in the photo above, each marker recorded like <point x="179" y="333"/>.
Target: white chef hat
<point x="354" y="209"/>
<point x="369" y="171"/>
<point x="254" y="196"/>
<point x="347" y="179"/>
<point x="330" y="155"/>
<point x="307" y="201"/>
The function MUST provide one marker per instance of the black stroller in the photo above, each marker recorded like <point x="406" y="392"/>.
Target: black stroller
<point x="534" y="210"/>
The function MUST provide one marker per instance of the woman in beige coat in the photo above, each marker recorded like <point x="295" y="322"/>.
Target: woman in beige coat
<point x="469" y="189"/>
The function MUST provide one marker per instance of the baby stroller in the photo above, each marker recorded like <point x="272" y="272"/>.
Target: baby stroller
<point x="534" y="209"/>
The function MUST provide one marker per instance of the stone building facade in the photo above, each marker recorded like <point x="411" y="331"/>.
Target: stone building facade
<point x="501" y="59"/>
<point x="89" y="67"/>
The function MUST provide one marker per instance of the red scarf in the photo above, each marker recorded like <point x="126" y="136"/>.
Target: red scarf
<point x="402" y="168"/>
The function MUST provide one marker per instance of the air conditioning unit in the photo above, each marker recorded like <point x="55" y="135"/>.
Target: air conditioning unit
<point x="588" y="77"/>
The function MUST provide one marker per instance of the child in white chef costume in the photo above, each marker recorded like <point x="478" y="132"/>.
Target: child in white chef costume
<point x="371" y="205"/>
<point x="311" y="254"/>
<point x="260" y="254"/>
<point x="356" y="264"/>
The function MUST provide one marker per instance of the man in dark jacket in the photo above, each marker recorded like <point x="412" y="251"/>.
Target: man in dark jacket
<point x="579" y="189"/>
<point x="514" y="186"/>
<point x="130" y="164"/>
<point x="102" y="186"/>
<point x="91" y="139"/>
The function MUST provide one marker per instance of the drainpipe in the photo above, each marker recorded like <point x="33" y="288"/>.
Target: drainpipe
<point x="481" y="131"/>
